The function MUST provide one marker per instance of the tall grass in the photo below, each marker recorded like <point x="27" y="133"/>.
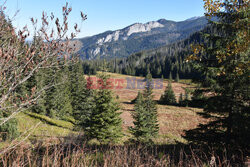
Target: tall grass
<point x="79" y="154"/>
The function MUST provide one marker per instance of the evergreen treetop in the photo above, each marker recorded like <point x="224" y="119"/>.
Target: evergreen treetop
<point x="145" y="115"/>
<point x="168" y="97"/>
<point x="104" y="123"/>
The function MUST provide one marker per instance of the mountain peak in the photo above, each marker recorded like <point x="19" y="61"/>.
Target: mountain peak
<point x="138" y="27"/>
<point x="137" y="37"/>
<point x="164" y="21"/>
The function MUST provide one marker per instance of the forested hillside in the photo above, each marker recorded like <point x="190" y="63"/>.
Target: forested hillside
<point x="165" y="62"/>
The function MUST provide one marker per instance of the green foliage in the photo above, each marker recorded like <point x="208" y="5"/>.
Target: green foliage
<point x="82" y="97"/>
<point x="36" y="71"/>
<point x="135" y="99"/>
<point x="9" y="130"/>
<point x="67" y="97"/>
<point x="69" y="119"/>
<point x="60" y="100"/>
<point x="88" y="68"/>
<point x="145" y="115"/>
<point x="46" y="78"/>
<point x="168" y="97"/>
<point x="104" y="123"/>
<point x="43" y="130"/>
<point x="39" y="107"/>
<point x="56" y="100"/>
<point x="51" y="121"/>
<point x="198" y="99"/>
<point x="223" y="59"/>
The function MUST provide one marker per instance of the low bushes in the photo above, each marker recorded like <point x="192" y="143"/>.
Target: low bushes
<point x="69" y="119"/>
<point x="59" y="123"/>
<point x="8" y="130"/>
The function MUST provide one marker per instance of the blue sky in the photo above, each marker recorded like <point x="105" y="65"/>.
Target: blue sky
<point x="106" y="15"/>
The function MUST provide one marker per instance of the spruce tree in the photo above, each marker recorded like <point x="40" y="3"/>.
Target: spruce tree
<point x="104" y="123"/>
<point x="40" y="105"/>
<point x="48" y="78"/>
<point x="145" y="115"/>
<point x="81" y="97"/>
<point x="60" y="101"/>
<point x="42" y="81"/>
<point x="168" y="97"/>
<point x="223" y="59"/>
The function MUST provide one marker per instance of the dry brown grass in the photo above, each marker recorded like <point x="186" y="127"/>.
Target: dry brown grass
<point x="75" y="154"/>
<point x="173" y="120"/>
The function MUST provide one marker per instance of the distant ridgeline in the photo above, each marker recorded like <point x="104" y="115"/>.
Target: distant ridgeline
<point x="137" y="37"/>
<point x="162" y="62"/>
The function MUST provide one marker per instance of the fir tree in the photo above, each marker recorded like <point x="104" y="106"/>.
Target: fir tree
<point x="104" y="123"/>
<point x="145" y="115"/>
<point x="168" y="97"/>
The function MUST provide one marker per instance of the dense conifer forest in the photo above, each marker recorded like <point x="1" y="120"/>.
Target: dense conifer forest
<point x="162" y="62"/>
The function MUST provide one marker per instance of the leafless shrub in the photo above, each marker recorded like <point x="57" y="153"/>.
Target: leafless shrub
<point x="20" y="60"/>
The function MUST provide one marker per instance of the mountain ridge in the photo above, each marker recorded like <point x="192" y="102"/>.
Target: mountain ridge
<point x="137" y="37"/>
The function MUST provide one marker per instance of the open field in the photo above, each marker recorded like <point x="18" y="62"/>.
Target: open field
<point x="54" y="141"/>
<point x="173" y="120"/>
<point x="35" y="129"/>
